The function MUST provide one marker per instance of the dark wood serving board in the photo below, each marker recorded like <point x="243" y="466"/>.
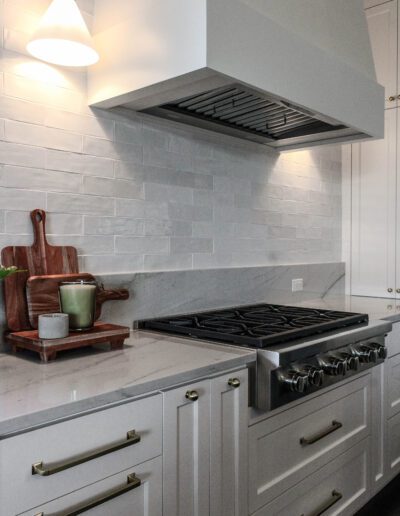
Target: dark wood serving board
<point x="38" y="259"/>
<point x="42" y="294"/>
<point x="47" y="349"/>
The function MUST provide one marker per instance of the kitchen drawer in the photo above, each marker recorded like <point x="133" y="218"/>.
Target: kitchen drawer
<point x="62" y="443"/>
<point x="393" y="340"/>
<point x="393" y="445"/>
<point x="141" y="500"/>
<point x="393" y="385"/>
<point x="281" y="448"/>
<point x="342" y="483"/>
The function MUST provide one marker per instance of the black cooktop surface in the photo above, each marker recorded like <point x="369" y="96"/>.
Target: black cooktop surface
<point x="256" y="325"/>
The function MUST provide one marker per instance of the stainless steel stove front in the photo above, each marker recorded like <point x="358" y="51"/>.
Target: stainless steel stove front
<point x="285" y="375"/>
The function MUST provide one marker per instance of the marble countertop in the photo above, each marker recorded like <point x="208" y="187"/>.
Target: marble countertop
<point x="375" y="307"/>
<point x="33" y="394"/>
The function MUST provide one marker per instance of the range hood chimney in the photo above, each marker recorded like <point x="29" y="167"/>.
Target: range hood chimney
<point x="281" y="73"/>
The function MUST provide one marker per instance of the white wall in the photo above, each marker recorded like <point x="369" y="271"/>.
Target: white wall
<point x="135" y="193"/>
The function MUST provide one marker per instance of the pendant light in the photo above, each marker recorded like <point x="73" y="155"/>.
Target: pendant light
<point x="62" y="37"/>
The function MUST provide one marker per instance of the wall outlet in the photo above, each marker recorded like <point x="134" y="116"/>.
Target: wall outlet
<point x="297" y="285"/>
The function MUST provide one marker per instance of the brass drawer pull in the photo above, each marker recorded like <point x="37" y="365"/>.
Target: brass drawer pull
<point x="234" y="382"/>
<point x="132" y="482"/>
<point x="192" y="395"/>
<point x="336" y="496"/>
<point x="40" y="469"/>
<point x="320" y="435"/>
<point x="392" y="98"/>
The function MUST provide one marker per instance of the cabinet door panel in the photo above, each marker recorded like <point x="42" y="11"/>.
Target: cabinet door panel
<point x="374" y="214"/>
<point x="187" y="451"/>
<point x="382" y="26"/>
<point x="393" y="445"/>
<point x="393" y="385"/>
<point x="228" y="485"/>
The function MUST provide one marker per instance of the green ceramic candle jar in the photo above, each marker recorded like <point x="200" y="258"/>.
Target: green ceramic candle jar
<point x="78" y="300"/>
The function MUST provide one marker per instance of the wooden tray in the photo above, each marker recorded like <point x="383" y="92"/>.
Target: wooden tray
<point x="48" y="348"/>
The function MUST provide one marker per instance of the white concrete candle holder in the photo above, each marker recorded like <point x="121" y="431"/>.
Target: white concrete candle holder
<point x="53" y="326"/>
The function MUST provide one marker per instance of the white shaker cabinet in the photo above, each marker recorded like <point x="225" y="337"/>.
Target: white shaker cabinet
<point x="187" y="450"/>
<point x="382" y="27"/>
<point x="228" y="445"/>
<point x="373" y="244"/>
<point x="205" y="447"/>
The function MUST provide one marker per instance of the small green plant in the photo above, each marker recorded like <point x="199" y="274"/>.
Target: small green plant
<point x="7" y="271"/>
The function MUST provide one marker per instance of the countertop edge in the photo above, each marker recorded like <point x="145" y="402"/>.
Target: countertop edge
<point x="27" y="423"/>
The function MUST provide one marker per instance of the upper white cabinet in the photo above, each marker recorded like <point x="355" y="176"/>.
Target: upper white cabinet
<point x="375" y="179"/>
<point x="382" y="26"/>
<point x="373" y="244"/>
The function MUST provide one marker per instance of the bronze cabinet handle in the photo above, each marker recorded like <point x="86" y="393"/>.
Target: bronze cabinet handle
<point x="320" y="435"/>
<point x="234" y="382"/>
<point x="336" y="496"/>
<point x="132" y="482"/>
<point x="192" y="395"/>
<point x="391" y="98"/>
<point x="40" y="469"/>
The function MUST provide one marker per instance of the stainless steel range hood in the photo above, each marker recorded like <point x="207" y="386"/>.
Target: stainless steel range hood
<point x="232" y="66"/>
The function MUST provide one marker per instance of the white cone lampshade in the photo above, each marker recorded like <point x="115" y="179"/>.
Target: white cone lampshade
<point x="62" y="37"/>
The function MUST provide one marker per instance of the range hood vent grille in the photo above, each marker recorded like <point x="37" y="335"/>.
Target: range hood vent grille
<point x="240" y="109"/>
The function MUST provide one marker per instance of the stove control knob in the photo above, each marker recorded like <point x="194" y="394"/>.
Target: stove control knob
<point x="367" y="354"/>
<point x="353" y="362"/>
<point x="333" y="366"/>
<point x="315" y="374"/>
<point x="296" y="381"/>
<point x="380" y="348"/>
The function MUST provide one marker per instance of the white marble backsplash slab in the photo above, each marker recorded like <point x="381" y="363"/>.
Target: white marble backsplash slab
<point x="154" y="294"/>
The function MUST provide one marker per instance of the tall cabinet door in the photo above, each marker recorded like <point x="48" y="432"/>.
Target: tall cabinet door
<point x="186" y="483"/>
<point x="374" y="214"/>
<point x="228" y="463"/>
<point x="382" y="26"/>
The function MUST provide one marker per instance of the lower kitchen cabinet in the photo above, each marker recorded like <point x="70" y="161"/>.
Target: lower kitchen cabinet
<point x="187" y="450"/>
<point x="286" y="448"/>
<point x="393" y="446"/>
<point x="178" y="453"/>
<point x="228" y="445"/>
<point x="45" y="464"/>
<point x="205" y="447"/>
<point x="136" y="491"/>
<point x="340" y="487"/>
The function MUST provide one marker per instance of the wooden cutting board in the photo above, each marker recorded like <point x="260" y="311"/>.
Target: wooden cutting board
<point x="40" y="258"/>
<point x="42" y="294"/>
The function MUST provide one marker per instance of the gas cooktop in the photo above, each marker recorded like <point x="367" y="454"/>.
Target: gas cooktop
<point x="258" y="325"/>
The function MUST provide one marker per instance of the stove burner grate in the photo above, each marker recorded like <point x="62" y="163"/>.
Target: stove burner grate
<point x="256" y="325"/>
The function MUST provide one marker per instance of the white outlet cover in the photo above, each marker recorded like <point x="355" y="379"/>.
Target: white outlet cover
<point x="297" y="285"/>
